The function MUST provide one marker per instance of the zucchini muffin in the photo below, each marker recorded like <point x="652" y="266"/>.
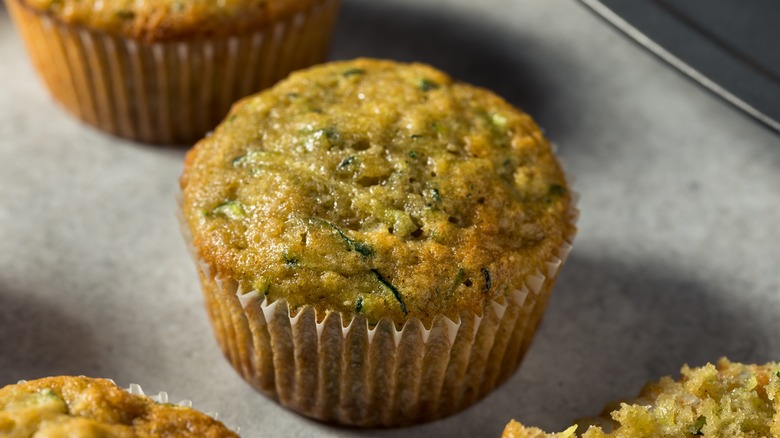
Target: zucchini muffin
<point x="727" y="400"/>
<point x="167" y="71"/>
<point x="95" y="408"/>
<point x="377" y="242"/>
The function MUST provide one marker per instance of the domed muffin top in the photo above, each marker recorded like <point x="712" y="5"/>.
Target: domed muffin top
<point x="86" y="407"/>
<point x="169" y="19"/>
<point x="376" y="188"/>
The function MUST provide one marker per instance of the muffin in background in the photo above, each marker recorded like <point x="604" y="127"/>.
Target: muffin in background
<point x="167" y="71"/>
<point x="727" y="400"/>
<point x="376" y="242"/>
<point x="86" y="407"/>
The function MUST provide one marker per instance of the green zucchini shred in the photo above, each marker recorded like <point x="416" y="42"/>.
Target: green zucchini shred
<point x="352" y="244"/>
<point x="428" y="85"/>
<point x="330" y="133"/>
<point x="393" y="289"/>
<point x="262" y="285"/>
<point x="359" y="305"/>
<point x="698" y="425"/>
<point x="230" y="210"/>
<point x="326" y="137"/>
<point x="486" y="273"/>
<point x="238" y="161"/>
<point x="290" y="260"/>
<point x="243" y="160"/>
<point x="353" y="72"/>
<point x="48" y="392"/>
<point x="346" y="162"/>
<point x="436" y="195"/>
<point x="458" y="280"/>
<point x="557" y="190"/>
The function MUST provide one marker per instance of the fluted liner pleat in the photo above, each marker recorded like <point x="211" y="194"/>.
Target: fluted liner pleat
<point x="167" y="92"/>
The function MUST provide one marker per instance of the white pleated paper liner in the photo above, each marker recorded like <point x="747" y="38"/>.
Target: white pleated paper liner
<point x="349" y="372"/>
<point x="170" y="92"/>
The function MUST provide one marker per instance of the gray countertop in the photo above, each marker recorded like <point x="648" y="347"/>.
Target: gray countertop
<point x="676" y="260"/>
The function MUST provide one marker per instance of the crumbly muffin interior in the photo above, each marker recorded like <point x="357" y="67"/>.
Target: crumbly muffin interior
<point x="95" y="408"/>
<point x="376" y="188"/>
<point x="727" y="400"/>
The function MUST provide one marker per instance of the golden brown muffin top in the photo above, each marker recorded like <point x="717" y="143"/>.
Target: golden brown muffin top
<point x="157" y="20"/>
<point x="95" y="408"/>
<point x="727" y="400"/>
<point x="377" y="188"/>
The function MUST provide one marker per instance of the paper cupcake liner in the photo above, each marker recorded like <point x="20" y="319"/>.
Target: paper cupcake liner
<point x="167" y="92"/>
<point x="346" y="371"/>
